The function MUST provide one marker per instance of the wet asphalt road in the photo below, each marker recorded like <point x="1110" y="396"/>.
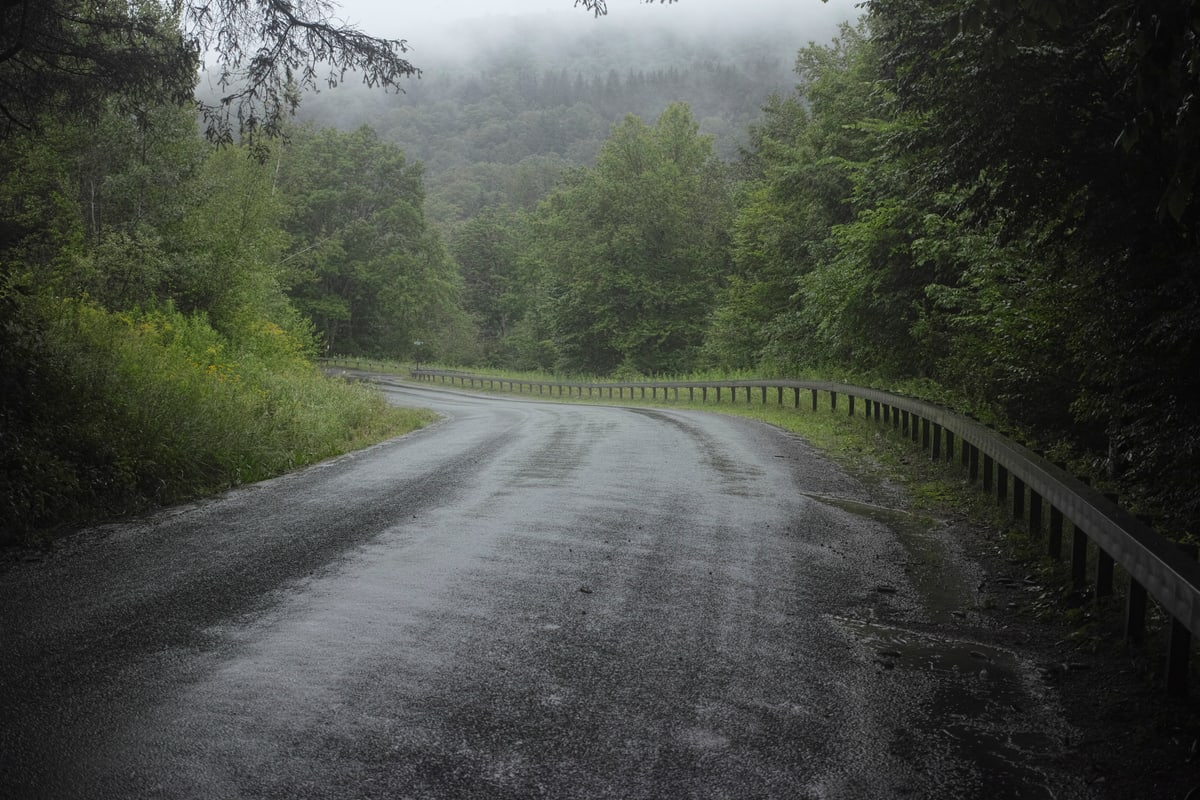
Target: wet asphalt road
<point x="524" y="600"/>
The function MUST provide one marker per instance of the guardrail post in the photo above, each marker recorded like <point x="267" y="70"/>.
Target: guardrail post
<point x="704" y="393"/>
<point x="718" y="394"/>
<point x="1054" y="541"/>
<point x="1079" y="548"/>
<point x="833" y="401"/>
<point x="925" y="434"/>
<point x="935" y="454"/>
<point x="1179" y="645"/>
<point x="814" y="398"/>
<point x="949" y="445"/>
<point x="1001" y="483"/>
<point x="1035" y="514"/>
<point x="989" y="465"/>
<point x="972" y="463"/>
<point x="876" y="410"/>
<point x="778" y="397"/>
<point x="764" y="394"/>
<point x="904" y="423"/>
<point x="691" y="394"/>
<point x="1135" y="612"/>
<point x="1104" y="573"/>
<point x="1018" y="506"/>
<point x="851" y="405"/>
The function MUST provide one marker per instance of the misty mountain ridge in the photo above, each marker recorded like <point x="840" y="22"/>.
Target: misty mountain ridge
<point x="508" y="94"/>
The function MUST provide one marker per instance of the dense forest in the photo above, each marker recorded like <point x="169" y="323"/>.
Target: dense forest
<point x="990" y="202"/>
<point x="160" y="292"/>
<point x="500" y="123"/>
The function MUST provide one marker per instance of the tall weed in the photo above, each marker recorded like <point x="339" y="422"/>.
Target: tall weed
<point x="115" y="412"/>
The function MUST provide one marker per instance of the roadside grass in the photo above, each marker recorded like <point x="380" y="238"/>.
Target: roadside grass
<point x="133" y="410"/>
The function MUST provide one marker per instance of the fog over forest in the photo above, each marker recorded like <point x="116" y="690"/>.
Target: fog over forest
<point x="447" y="31"/>
<point x="511" y="99"/>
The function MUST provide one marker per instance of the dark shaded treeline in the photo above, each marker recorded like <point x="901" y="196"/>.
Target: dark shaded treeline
<point x="995" y="201"/>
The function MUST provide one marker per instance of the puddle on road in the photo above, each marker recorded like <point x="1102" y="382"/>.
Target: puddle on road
<point x="980" y="709"/>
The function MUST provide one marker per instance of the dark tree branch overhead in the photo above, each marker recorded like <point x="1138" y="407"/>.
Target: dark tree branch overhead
<point x="69" y="56"/>
<point x="265" y="52"/>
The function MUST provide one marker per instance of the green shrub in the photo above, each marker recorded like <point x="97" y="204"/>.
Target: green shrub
<point x="110" y="413"/>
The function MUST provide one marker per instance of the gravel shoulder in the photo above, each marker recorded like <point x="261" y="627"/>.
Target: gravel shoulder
<point x="1133" y="740"/>
<point x="980" y="580"/>
<point x="1127" y="738"/>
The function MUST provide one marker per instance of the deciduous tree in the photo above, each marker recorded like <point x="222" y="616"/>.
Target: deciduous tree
<point x="635" y="247"/>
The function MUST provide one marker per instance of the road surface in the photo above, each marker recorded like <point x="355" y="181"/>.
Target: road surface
<point x="524" y="600"/>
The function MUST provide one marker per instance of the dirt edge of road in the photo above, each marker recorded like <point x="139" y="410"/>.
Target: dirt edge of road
<point x="1132" y="741"/>
<point x="1135" y="741"/>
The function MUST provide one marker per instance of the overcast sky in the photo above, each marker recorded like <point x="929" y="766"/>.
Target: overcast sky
<point x="412" y="20"/>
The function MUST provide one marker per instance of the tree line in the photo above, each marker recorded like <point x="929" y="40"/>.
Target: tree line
<point x="503" y="130"/>
<point x="163" y="291"/>
<point x="994" y="201"/>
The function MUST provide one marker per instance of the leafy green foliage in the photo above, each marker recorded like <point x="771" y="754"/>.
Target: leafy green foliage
<point x="993" y="199"/>
<point x="148" y="349"/>
<point x="633" y="249"/>
<point x="992" y="196"/>
<point x="364" y="266"/>
<point x="503" y="127"/>
<point x="1061" y="128"/>
<point x="486" y="249"/>
<point x="817" y="233"/>
<point x="105" y="413"/>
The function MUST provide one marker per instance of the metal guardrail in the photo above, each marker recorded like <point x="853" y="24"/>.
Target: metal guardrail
<point x="1043" y="495"/>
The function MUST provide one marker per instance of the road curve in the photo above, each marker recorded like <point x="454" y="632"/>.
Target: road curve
<point x="523" y="600"/>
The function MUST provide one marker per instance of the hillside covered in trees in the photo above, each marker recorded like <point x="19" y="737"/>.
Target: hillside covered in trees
<point x="994" y="202"/>
<point x="500" y="113"/>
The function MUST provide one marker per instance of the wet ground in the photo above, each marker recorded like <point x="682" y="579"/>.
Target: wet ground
<point x="524" y="600"/>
